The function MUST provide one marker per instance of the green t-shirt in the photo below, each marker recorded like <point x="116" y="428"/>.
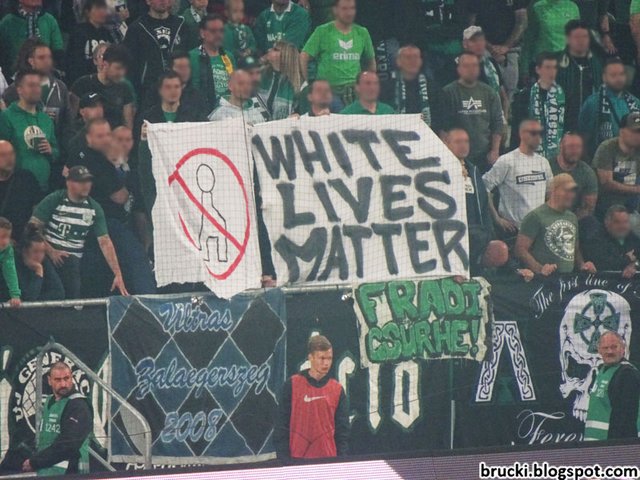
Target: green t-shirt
<point x="170" y="117"/>
<point x="583" y="175"/>
<point x="339" y="56"/>
<point x="554" y="235"/>
<point x="220" y="75"/>
<point x="356" y="108"/>
<point x="634" y="7"/>
<point x="625" y="168"/>
<point x="68" y="223"/>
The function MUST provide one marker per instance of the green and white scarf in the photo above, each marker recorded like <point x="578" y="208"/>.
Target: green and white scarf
<point x="491" y="74"/>
<point x="550" y="113"/>
<point x="423" y="92"/>
<point x="606" y="114"/>
<point x="33" y="30"/>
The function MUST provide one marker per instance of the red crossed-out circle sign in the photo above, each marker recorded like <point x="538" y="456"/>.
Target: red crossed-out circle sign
<point x="240" y="246"/>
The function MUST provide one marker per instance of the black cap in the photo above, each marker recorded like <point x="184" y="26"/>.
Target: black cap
<point x="89" y="100"/>
<point x="631" y="121"/>
<point x="79" y="173"/>
<point x="248" y="63"/>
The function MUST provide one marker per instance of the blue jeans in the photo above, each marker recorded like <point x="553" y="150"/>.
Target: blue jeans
<point x="134" y="263"/>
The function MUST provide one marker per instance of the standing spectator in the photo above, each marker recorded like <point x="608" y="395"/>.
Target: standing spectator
<point x="27" y="20"/>
<point x="409" y="91"/>
<point x="521" y="177"/>
<point x="211" y="64"/>
<point x="313" y="411"/>
<point x="545" y="33"/>
<point x="617" y="162"/>
<point x="474" y="41"/>
<point x="90" y="106"/>
<point x="238" y="104"/>
<point x="504" y="23"/>
<point x="321" y="11"/>
<point x="86" y="36"/>
<point x="579" y="71"/>
<point x="8" y="263"/>
<point x="616" y="35"/>
<point x="151" y="39"/>
<point x="238" y="37"/>
<point x="284" y="20"/>
<point x="116" y="95"/>
<point x="368" y="92"/>
<point x="548" y="240"/>
<point x="319" y="97"/>
<point x="29" y="129"/>
<point x="544" y="101"/>
<point x="19" y="191"/>
<point x="38" y="278"/>
<point x="602" y="112"/>
<point x="193" y="15"/>
<point x="474" y="106"/>
<point x="281" y="81"/>
<point x="340" y="49"/>
<point x="569" y="160"/>
<point x="614" y="248"/>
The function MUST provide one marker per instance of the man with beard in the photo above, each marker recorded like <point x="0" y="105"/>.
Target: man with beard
<point x="63" y="439"/>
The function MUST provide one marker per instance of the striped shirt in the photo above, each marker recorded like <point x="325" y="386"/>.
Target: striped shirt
<point x="68" y="223"/>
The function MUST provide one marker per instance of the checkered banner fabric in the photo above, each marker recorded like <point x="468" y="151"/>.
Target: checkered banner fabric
<point x="204" y="372"/>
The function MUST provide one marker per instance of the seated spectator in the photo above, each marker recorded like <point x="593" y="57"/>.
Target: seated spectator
<point x="29" y="129"/>
<point x="320" y="97"/>
<point x="340" y="49"/>
<point x="474" y="106"/>
<point x="8" y="263"/>
<point x="238" y="104"/>
<point x="368" y="92"/>
<point x="579" y="71"/>
<point x="116" y="95"/>
<point x="284" y="20"/>
<point x="86" y="35"/>
<point x="19" y="191"/>
<point x="602" y="112"/>
<point x="39" y="281"/>
<point x="569" y="160"/>
<point x="27" y="20"/>
<point x="616" y="163"/>
<point x="90" y="106"/>
<point x="474" y="41"/>
<point x="409" y="91"/>
<point x="192" y="15"/>
<point x="614" y="248"/>
<point x="66" y="217"/>
<point x="211" y="64"/>
<point x="281" y="81"/>
<point x="238" y="37"/>
<point x="35" y="55"/>
<point x="548" y="237"/>
<point x="521" y="177"/>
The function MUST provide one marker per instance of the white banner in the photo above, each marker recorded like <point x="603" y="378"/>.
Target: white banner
<point x="204" y="215"/>
<point x="360" y="198"/>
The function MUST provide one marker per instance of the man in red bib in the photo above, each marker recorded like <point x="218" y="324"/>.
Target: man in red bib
<point x="313" y="418"/>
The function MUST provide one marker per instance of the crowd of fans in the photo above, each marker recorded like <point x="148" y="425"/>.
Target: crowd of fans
<point x="536" y="98"/>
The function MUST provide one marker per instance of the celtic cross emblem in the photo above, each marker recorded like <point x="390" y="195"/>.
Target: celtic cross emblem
<point x="597" y="313"/>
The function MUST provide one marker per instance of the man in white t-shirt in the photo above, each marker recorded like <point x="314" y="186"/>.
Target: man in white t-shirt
<point x="522" y="178"/>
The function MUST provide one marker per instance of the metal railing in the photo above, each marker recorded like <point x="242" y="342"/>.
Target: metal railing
<point x="146" y="432"/>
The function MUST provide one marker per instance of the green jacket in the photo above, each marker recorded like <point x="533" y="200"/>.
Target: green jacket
<point x="22" y="129"/>
<point x="8" y="264"/>
<point x="292" y="25"/>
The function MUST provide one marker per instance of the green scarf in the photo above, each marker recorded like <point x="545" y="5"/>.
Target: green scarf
<point x="33" y="31"/>
<point x="550" y="113"/>
<point x="491" y="74"/>
<point x="423" y="91"/>
<point x="606" y="115"/>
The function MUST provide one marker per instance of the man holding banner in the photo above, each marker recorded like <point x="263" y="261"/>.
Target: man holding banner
<point x="313" y="419"/>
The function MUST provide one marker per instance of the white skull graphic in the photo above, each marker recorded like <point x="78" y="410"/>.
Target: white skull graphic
<point x="587" y="316"/>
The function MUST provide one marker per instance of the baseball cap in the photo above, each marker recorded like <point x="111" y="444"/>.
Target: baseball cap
<point x="89" y="100"/>
<point x="79" y="173"/>
<point x="631" y="121"/>
<point x="564" y="181"/>
<point x="248" y="63"/>
<point x="471" y="32"/>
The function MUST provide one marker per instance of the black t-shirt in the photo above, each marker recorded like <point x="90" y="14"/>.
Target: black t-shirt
<point x="106" y="181"/>
<point x="18" y="195"/>
<point x="497" y="17"/>
<point x="114" y="96"/>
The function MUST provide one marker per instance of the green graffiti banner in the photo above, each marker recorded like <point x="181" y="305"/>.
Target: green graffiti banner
<point x="423" y="319"/>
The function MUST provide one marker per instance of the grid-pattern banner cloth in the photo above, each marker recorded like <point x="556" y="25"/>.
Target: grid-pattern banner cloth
<point x="204" y="372"/>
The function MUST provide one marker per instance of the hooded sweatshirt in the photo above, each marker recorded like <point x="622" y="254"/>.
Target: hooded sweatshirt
<point x="22" y="129"/>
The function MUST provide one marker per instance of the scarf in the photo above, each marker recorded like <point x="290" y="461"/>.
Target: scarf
<point x="195" y="14"/>
<point x="423" y="91"/>
<point x="550" y="113"/>
<point x="607" y="115"/>
<point x="32" y="22"/>
<point x="491" y="74"/>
